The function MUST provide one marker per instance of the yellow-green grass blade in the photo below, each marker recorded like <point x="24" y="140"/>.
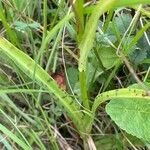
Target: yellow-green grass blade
<point x="27" y="65"/>
<point x="120" y="3"/>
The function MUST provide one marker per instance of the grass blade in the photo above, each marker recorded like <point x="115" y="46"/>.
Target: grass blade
<point x="14" y="137"/>
<point x="26" y="64"/>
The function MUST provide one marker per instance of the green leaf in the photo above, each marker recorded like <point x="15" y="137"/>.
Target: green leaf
<point x="108" y="56"/>
<point x="93" y="69"/>
<point x="122" y="22"/>
<point x="72" y="77"/>
<point x="138" y="56"/>
<point x="19" y="25"/>
<point x="131" y="115"/>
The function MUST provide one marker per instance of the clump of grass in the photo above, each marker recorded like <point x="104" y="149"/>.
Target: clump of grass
<point x="95" y="45"/>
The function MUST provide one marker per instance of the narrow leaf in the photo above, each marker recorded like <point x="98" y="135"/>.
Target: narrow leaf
<point x="14" y="137"/>
<point x="27" y="65"/>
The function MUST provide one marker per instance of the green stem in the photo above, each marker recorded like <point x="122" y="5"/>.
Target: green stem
<point x="108" y="20"/>
<point x="45" y="27"/>
<point x="83" y="88"/>
<point x="78" y="10"/>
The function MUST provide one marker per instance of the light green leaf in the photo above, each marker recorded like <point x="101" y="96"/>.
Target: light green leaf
<point x="131" y="115"/>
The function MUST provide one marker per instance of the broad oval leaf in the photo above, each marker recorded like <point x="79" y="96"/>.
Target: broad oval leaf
<point x="131" y="115"/>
